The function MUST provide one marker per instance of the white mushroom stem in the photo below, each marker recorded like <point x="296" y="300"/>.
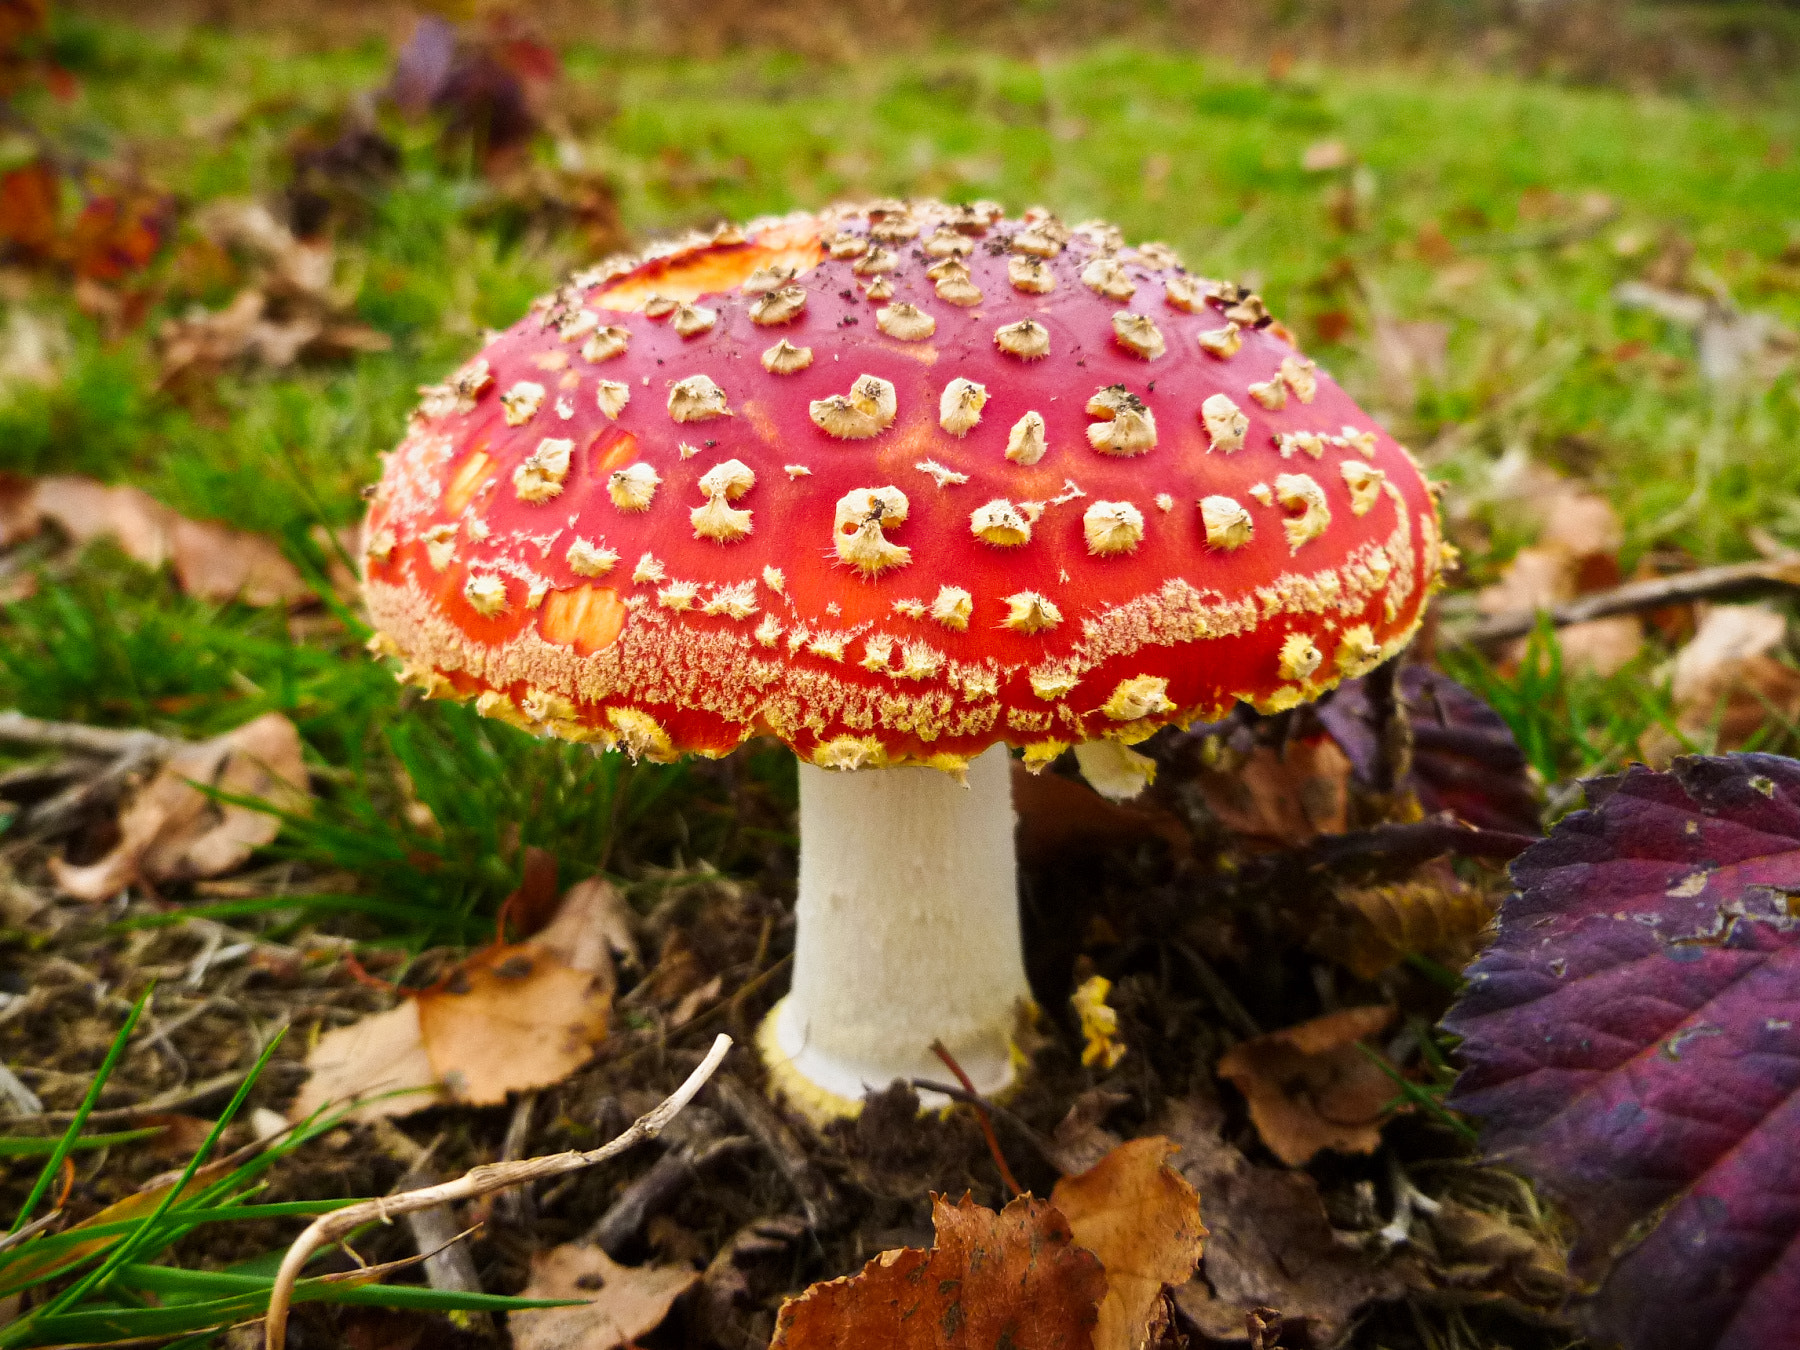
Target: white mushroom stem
<point x="908" y="933"/>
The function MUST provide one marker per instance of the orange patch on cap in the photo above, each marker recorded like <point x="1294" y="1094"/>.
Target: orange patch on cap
<point x="709" y="271"/>
<point x="587" y="618"/>
<point x="622" y="450"/>
<point x="466" y="482"/>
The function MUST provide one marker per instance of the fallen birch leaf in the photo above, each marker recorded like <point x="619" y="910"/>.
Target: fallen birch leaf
<point x="622" y="1302"/>
<point x="1577" y="552"/>
<point x="510" y="1017"/>
<point x="1013" y="1279"/>
<point x="1270" y="1243"/>
<point x="172" y="831"/>
<point x="1311" y="1088"/>
<point x="1142" y="1219"/>
<point x="215" y="562"/>
<point x="382" y="1054"/>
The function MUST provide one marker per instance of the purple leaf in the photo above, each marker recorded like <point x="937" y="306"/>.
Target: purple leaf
<point x="1464" y="760"/>
<point x="1632" y="1040"/>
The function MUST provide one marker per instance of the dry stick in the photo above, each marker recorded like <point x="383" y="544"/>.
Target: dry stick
<point x="1706" y="583"/>
<point x="656" y="1188"/>
<point x="751" y="1110"/>
<point x="476" y="1181"/>
<point x="980" y="1109"/>
<point x="105" y="742"/>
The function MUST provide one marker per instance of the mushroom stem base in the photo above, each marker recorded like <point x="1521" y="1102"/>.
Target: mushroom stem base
<point x="908" y="933"/>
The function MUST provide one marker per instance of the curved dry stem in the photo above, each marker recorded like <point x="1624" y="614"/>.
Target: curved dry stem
<point x="477" y="1181"/>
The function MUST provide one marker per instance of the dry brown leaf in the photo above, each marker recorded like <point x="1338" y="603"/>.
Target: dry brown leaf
<point x="624" y="1302"/>
<point x="211" y="561"/>
<point x="1727" y="680"/>
<point x="1311" y="1088"/>
<point x="1081" y="1138"/>
<point x="1479" y="1249"/>
<point x="1271" y="1244"/>
<point x="509" y="1019"/>
<point x="214" y="562"/>
<point x="1138" y="1215"/>
<point x="1434" y="914"/>
<point x="1410" y="353"/>
<point x="1278" y="798"/>
<point x="1015" y="1278"/>
<point x="86" y="510"/>
<point x="380" y="1055"/>
<point x="593" y="924"/>
<point x="289" y="311"/>
<point x="1059" y="815"/>
<point x="172" y="831"/>
<point x="1576" y="552"/>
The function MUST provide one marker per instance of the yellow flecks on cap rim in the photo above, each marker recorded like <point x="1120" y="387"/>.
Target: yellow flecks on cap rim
<point x="486" y="594"/>
<point x="1112" y="527"/>
<point x="952" y="606"/>
<point x="587" y="559"/>
<point x="540" y="475"/>
<point x="1138" y="334"/>
<point x="1139" y="697"/>
<point x="1029" y="612"/>
<point x="1364" y="482"/>
<point x="905" y="323"/>
<point x="611" y="396"/>
<point x="1222" y="342"/>
<point x="1299" y="657"/>
<point x="784" y="358"/>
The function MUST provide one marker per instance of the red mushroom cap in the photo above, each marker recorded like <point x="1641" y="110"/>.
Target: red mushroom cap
<point x="893" y="483"/>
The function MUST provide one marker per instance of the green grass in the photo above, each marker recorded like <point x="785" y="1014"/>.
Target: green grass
<point x="96" y="1282"/>
<point x="1171" y="146"/>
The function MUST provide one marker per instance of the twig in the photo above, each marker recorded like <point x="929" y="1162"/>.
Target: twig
<point x="438" y="1234"/>
<point x="1393" y="728"/>
<point x="1223" y="1000"/>
<point x="477" y="1181"/>
<point x="757" y="1117"/>
<point x="655" y="1189"/>
<point x="105" y="742"/>
<point x="1705" y="583"/>
<point x="981" y="1114"/>
<point x="1043" y="1147"/>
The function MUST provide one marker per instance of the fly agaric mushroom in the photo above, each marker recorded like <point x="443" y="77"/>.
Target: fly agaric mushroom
<point x="901" y="531"/>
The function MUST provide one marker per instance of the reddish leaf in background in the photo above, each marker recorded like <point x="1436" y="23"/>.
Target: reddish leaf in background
<point x="1633" y="1043"/>
<point x="1465" y="759"/>
<point x="30" y="197"/>
<point x="119" y="233"/>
